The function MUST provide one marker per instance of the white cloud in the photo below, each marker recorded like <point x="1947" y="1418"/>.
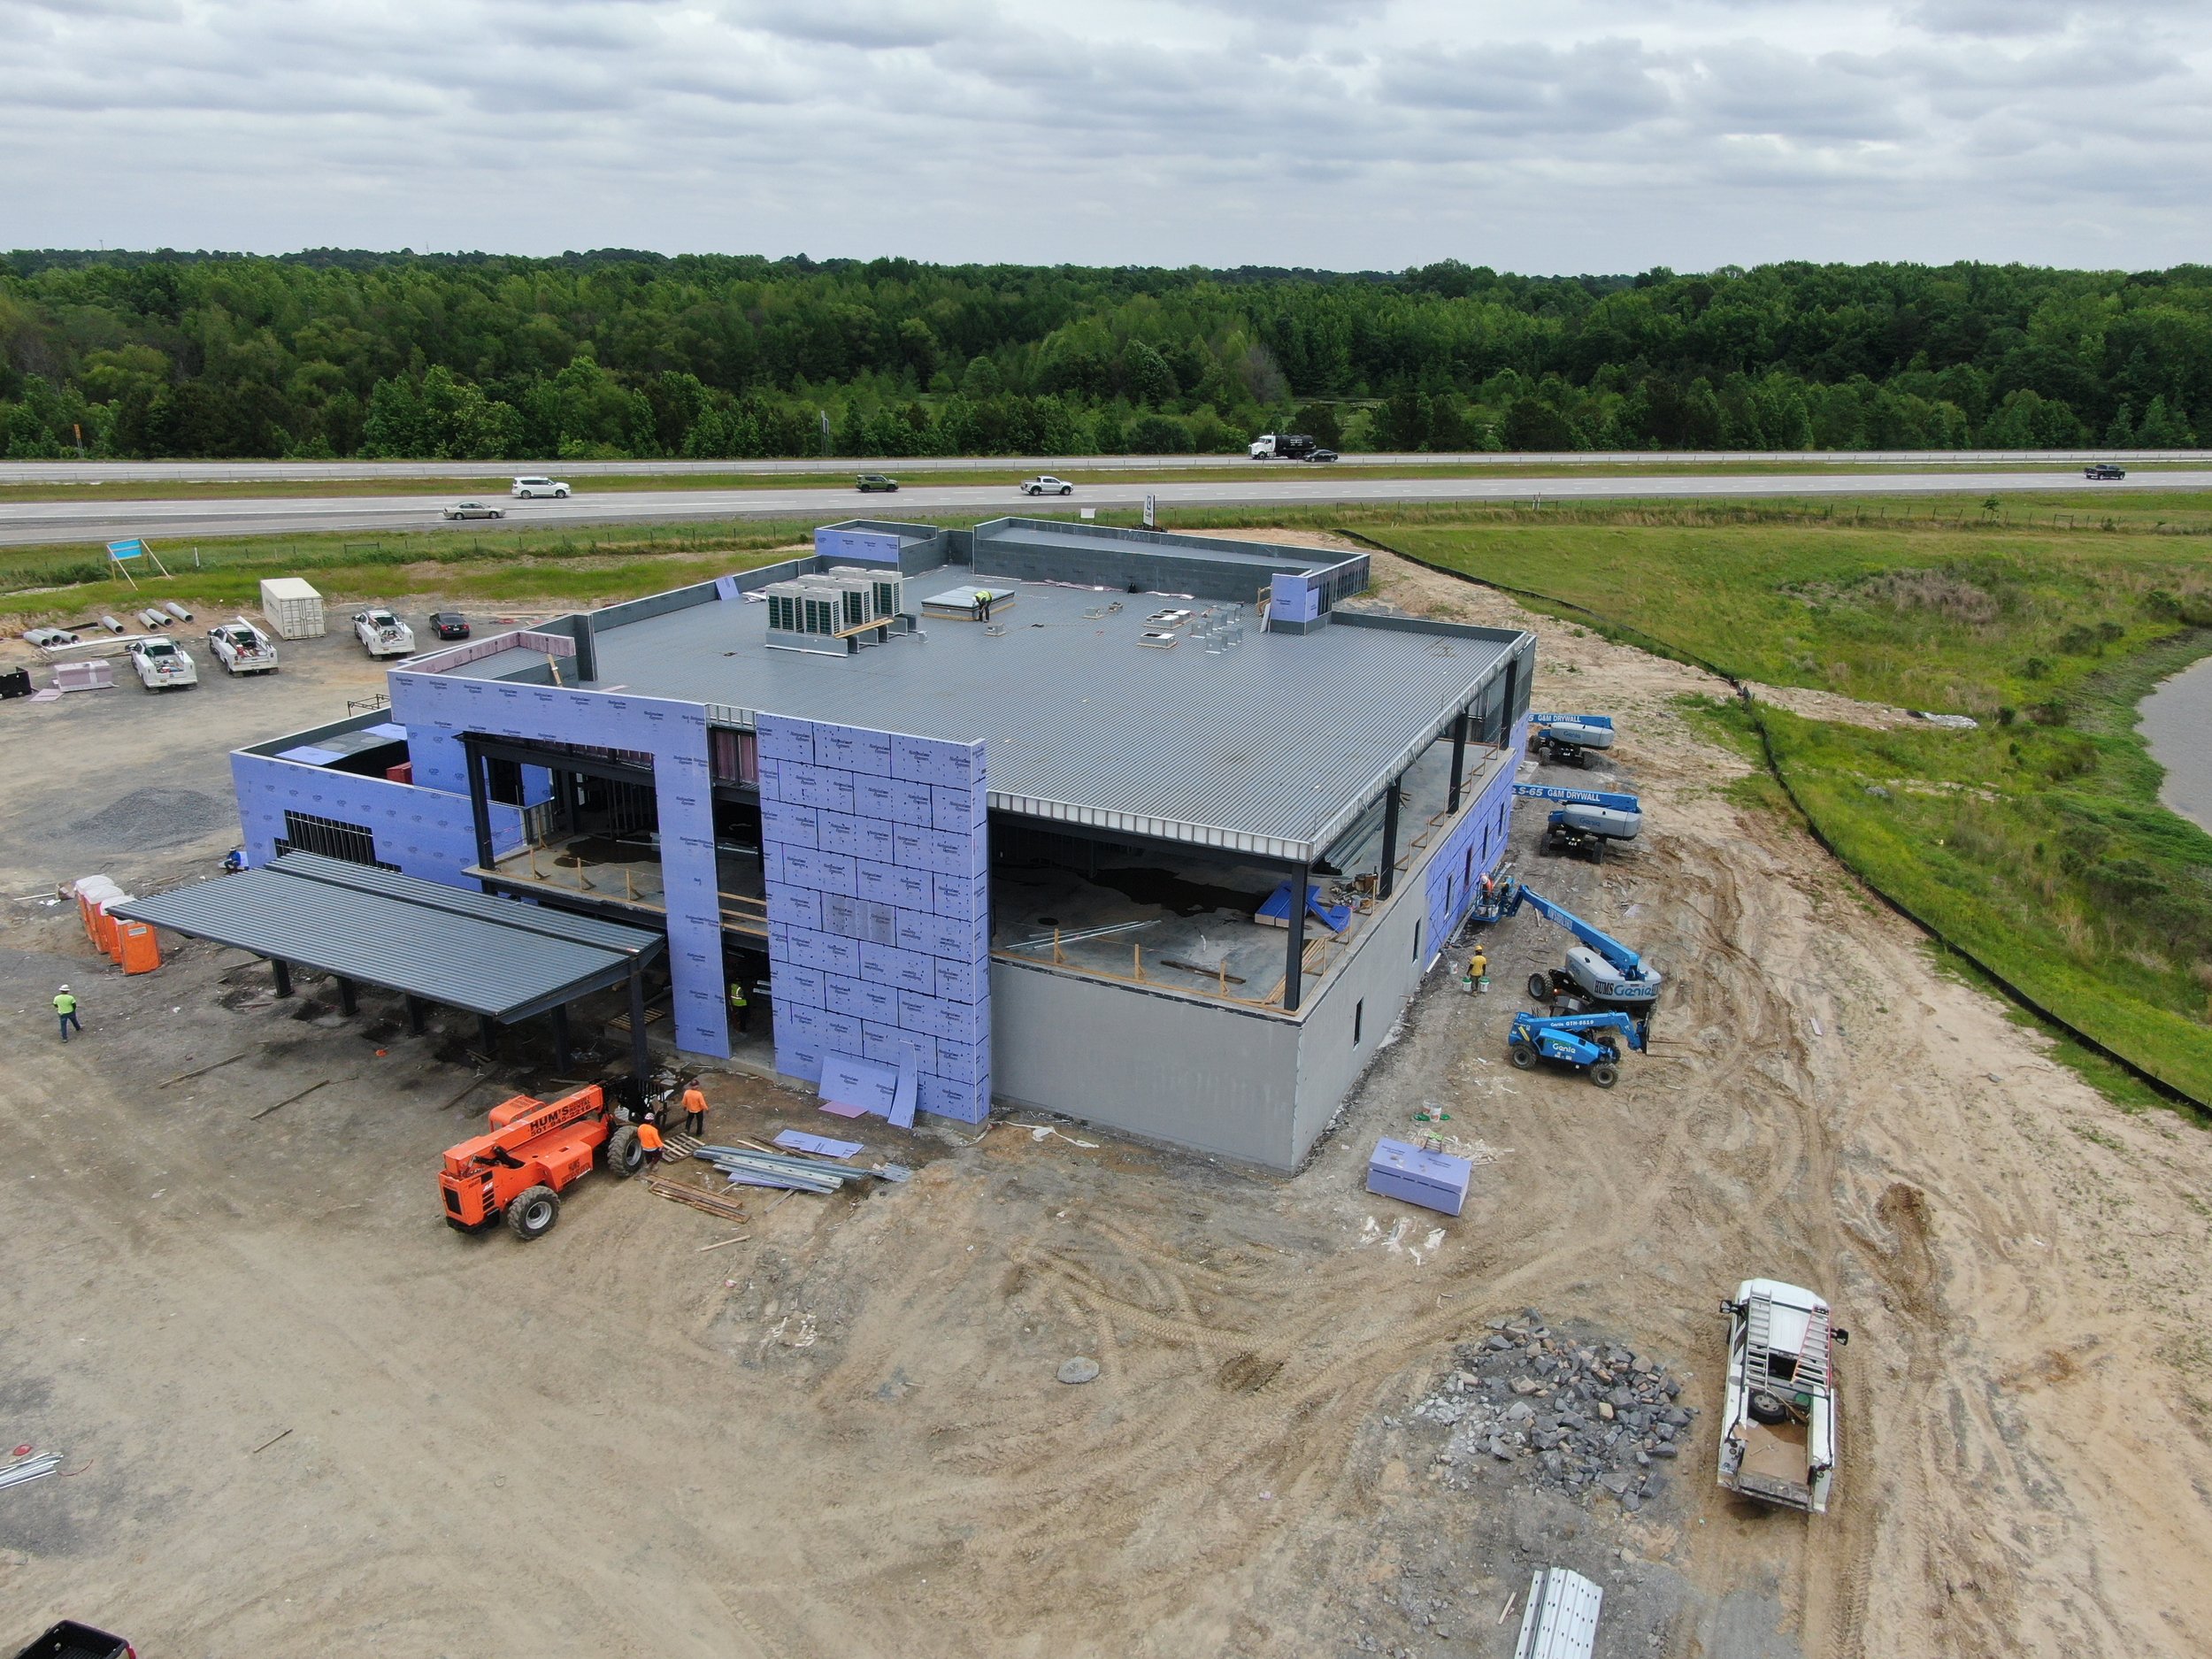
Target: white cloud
<point x="1593" y="134"/>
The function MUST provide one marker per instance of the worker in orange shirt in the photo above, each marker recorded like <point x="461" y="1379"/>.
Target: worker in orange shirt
<point x="694" y="1109"/>
<point x="649" y="1137"/>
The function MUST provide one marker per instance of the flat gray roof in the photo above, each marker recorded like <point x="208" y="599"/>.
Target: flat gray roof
<point x="467" y="950"/>
<point x="1270" y="748"/>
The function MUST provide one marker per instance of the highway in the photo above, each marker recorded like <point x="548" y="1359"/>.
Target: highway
<point x="21" y="473"/>
<point x="170" y="522"/>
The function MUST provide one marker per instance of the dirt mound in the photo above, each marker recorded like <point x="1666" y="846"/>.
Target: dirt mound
<point x="152" y="818"/>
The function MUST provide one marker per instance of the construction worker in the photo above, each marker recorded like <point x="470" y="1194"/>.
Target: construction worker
<point x="694" y="1109"/>
<point x="741" y="1010"/>
<point x="649" y="1137"/>
<point x="987" y="605"/>
<point x="1479" y="971"/>
<point x="65" y="1006"/>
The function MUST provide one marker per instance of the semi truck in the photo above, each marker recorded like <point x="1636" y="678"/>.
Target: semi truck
<point x="1283" y="446"/>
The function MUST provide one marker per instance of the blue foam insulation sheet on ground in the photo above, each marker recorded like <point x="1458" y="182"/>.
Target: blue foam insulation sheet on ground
<point x="1435" y="1181"/>
<point x="849" y="1081"/>
<point x="822" y="1146"/>
<point x="1335" y="918"/>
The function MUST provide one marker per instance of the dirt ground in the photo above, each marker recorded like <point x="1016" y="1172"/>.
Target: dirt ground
<point x="301" y="1415"/>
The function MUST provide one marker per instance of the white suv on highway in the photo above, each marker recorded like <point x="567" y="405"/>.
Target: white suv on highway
<point x="528" y="488"/>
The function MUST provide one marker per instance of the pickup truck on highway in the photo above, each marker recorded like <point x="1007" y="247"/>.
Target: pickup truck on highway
<point x="1045" y="484"/>
<point x="2103" y="470"/>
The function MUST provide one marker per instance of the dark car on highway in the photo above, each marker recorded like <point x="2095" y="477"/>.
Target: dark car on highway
<point x="1322" y="455"/>
<point x="876" y="481"/>
<point x="2104" y="469"/>
<point x="450" y="625"/>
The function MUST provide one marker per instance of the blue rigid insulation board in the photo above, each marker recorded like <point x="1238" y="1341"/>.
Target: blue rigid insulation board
<point x="1335" y="918"/>
<point x="1435" y="1181"/>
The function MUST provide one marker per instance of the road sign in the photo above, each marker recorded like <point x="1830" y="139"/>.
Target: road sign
<point x="130" y="550"/>
<point x="1151" y="508"/>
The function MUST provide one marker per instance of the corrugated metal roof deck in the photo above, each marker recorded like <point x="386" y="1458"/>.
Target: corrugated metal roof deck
<point x="1270" y="747"/>
<point x="466" y="950"/>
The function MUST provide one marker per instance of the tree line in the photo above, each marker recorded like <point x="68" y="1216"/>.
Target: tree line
<point x="619" y="354"/>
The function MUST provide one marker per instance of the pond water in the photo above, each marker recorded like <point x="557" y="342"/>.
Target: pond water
<point x="2178" y="725"/>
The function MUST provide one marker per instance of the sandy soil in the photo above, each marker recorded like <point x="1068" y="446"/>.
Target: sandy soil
<point x="302" y="1415"/>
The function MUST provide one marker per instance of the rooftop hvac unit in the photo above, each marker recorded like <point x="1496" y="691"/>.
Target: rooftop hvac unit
<point x="887" y="589"/>
<point x="783" y="607"/>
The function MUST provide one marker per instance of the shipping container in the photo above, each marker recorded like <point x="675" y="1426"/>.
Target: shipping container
<point x="294" y="609"/>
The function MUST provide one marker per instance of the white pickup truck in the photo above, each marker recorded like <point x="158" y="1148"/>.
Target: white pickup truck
<point x="242" y="648"/>
<point x="1777" y="1440"/>
<point x="383" y="634"/>
<point x="162" y="664"/>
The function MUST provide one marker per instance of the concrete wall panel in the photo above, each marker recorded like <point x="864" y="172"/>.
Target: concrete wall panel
<point x="1196" y="1074"/>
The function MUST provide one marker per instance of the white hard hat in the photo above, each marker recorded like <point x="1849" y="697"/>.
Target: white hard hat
<point x="64" y="988"/>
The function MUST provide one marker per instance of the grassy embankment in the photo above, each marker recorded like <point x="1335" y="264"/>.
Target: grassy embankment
<point x="2036" y="843"/>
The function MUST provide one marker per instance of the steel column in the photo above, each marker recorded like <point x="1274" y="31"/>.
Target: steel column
<point x="348" y="1002"/>
<point x="1459" y="762"/>
<point x="479" y="804"/>
<point x="415" y="1009"/>
<point x="560" y="1039"/>
<point x="1301" y="880"/>
<point x="487" y="1031"/>
<point x="282" y="970"/>
<point x="1389" y="881"/>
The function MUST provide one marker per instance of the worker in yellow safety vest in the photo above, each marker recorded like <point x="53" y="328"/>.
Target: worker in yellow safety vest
<point x="65" y="1006"/>
<point x="741" y="1010"/>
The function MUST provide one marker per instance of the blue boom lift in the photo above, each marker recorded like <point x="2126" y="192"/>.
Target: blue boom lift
<point x="1601" y="971"/>
<point x="1563" y="738"/>
<point x="1585" y="1041"/>
<point x="1585" y="819"/>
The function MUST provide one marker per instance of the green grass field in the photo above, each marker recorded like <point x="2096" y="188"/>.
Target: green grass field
<point x="2037" y="841"/>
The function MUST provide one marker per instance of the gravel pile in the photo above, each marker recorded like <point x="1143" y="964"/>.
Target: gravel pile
<point x="152" y="818"/>
<point x="1581" y="1417"/>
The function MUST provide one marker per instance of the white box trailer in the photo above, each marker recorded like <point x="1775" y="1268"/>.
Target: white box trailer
<point x="294" y="609"/>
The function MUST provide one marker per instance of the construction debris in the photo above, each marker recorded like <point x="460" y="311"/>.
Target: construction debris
<point x="1574" y="1415"/>
<point x="707" y="1202"/>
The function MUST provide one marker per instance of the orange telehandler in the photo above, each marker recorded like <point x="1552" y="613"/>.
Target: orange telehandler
<point x="534" y="1150"/>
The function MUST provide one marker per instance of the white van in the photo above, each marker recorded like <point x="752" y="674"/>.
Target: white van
<point x="529" y="488"/>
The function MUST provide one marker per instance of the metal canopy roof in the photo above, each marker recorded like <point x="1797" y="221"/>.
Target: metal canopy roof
<point x="499" y="957"/>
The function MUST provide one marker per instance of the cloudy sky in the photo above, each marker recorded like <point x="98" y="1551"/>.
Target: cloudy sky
<point x="1573" y="136"/>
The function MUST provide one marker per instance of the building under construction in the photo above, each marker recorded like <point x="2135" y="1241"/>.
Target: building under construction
<point x="1158" y="831"/>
